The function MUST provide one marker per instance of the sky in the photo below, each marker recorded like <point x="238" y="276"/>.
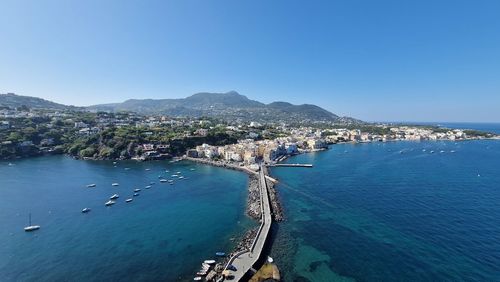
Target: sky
<point x="384" y="60"/>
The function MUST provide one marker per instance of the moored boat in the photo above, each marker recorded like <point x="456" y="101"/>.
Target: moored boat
<point x="163" y="180"/>
<point x="85" y="210"/>
<point x="115" y="184"/>
<point x="136" y="194"/>
<point x="220" y="254"/>
<point x="128" y="200"/>
<point x="137" y="190"/>
<point x="115" y="196"/>
<point x="30" y="227"/>
<point x="109" y="203"/>
<point x="91" y="185"/>
<point x="209" y="261"/>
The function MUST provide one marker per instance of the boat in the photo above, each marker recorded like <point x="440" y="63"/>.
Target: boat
<point x="85" y="210"/>
<point x="178" y="172"/>
<point x="170" y="181"/>
<point x="91" y="185"/>
<point x="432" y="152"/>
<point x="115" y="184"/>
<point x="270" y="260"/>
<point x="109" y="203"/>
<point x="167" y="171"/>
<point x="136" y="194"/>
<point x="205" y="265"/>
<point x="441" y="151"/>
<point x="201" y="273"/>
<point x="137" y="190"/>
<point x="114" y="163"/>
<point x="209" y="261"/>
<point x="147" y="169"/>
<point x="198" y="278"/>
<point x="174" y="175"/>
<point x="127" y="168"/>
<point x="147" y="187"/>
<point x="30" y="227"/>
<point x="163" y="180"/>
<point x="220" y="254"/>
<point x="192" y="169"/>
<point x="181" y="177"/>
<point x="129" y="200"/>
<point x="115" y="196"/>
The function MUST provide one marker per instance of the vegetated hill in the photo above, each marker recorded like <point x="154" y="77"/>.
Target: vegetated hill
<point x="230" y="106"/>
<point x="15" y="101"/>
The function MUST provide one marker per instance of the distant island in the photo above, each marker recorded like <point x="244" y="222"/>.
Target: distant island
<point x="158" y="129"/>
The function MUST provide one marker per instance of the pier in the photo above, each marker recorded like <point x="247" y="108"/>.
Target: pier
<point x="292" y="165"/>
<point x="245" y="261"/>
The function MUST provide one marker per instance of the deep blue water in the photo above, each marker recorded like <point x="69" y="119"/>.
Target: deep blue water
<point x="488" y="127"/>
<point x="163" y="235"/>
<point x="392" y="212"/>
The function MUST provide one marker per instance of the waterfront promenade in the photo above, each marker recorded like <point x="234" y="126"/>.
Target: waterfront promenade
<point x="244" y="261"/>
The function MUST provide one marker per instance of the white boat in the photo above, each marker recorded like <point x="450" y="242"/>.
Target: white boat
<point x="198" y="278"/>
<point x="270" y="260"/>
<point x="432" y="152"/>
<point x="30" y="227"/>
<point x="201" y="273"/>
<point x="181" y="177"/>
<point x="441" y="151"/>
<point x="109" y="203"/>
<point x="136" y="194"/>
<point x="147" y="187"/>
<point x="137" y="190"/>
<point x="115" y="196"/>
<point x="209" y="261"/>
<point x="85" y="210"/>
<point x="147" y="169"/>
<point x="174" y="175"/>
<point x="192" y="169"/>
<point x="115" y="184"/>
<point x="452" y="151"/>
<point x="91" y="185"/>
<point x="129" y="200"/>
<point x="163" y="180"/>
<point x="178" y="172"/>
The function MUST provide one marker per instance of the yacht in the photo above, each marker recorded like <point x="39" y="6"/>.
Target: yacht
<point x="30" y="227"/>
<point x="136" y="194"/>
<point x="115" y="196"/>
<point x="128" y="200"/>
<point x="147" y="187"/>
<point x="109" y="203"/>
<point x="91" y="185"/>
<point x="137" y="190"/>
<point x="163" y="180"/>
<point x="85" y="210"/>
<point x="197" y="278"/>
<point x="209" y="261"/>
<point x="115" y="184"/>
<point x="147" y="169"/>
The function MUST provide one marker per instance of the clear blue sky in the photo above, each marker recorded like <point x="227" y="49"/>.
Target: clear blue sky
<point x="436" y="60"/>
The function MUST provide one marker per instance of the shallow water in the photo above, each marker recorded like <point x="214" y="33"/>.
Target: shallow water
<point x="163" y="235"/>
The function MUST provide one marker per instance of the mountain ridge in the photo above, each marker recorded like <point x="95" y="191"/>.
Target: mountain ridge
<point x="230" y="106"/>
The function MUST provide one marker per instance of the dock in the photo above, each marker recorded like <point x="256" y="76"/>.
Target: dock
<point x="292" y="165"/>
<point x="246" y="260"/>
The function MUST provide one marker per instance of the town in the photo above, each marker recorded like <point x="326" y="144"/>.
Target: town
<point x="127" y="135"/>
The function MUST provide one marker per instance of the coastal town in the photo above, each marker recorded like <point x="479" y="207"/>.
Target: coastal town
<point x="127" y="135"/>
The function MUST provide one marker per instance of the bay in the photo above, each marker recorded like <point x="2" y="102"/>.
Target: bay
<point x="163" y="235"/>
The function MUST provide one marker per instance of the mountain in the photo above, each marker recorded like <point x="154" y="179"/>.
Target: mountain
<point x="230" y="106"/>
<point x="15" y="101"/>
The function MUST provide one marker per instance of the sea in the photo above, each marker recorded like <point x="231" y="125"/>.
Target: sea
<point x="395" y="211"/>
<point x="164" y="234"/>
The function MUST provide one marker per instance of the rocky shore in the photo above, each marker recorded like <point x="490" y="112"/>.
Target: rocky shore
<point x="276" y="208"/>
<point x="253" y="200"/>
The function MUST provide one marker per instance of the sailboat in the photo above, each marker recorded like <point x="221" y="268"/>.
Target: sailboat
<point x="31" y="227"/>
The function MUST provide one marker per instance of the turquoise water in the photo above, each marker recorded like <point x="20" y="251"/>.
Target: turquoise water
<point x="163" y="235"/>
<point x="392" y="212"/>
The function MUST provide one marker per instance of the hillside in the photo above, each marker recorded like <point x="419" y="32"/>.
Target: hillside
<point x="14" y="101"/>
<point x="231" y="106"/>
